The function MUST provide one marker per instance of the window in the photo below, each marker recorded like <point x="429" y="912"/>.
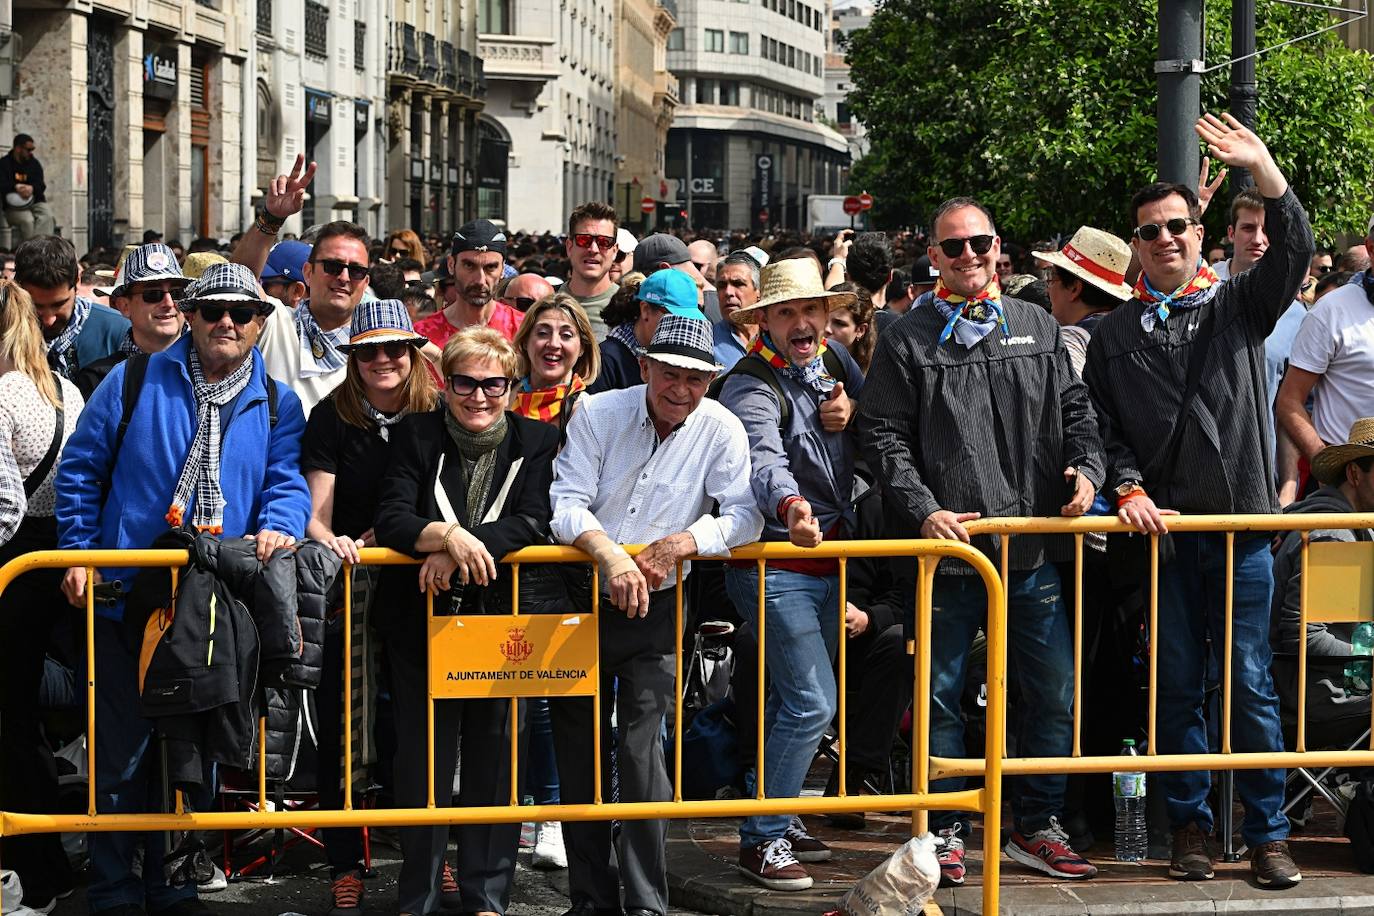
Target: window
<point x="359" y="44"/>
<point x="842" y="114"/>
<point x="791" y="56"/>
<point x="493" y="17"/>
<point x="739" y="42"/>
<point x="715" y="40"/>
<point x="729" y="92"/>
<point x="706" y="92"/>
<point x="675" y="42"/>
<point x="316" y="29"/>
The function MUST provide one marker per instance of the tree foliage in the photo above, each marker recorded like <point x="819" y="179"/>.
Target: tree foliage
<point x="1045" y="110"/>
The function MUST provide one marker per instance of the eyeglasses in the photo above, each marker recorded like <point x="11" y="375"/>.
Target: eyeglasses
<point x="239" y="314"/>
<point x="981" y="244"/>
<point x="334" y="267"/>
<point x="154" y="296"/>
<point x="1322" y="270"/>
<point x="1176" y="226"/>
<point x="464" y="385"/>
<point x="585" y="240"/>
<point x="394" y="349"/>
<point x="399" y="253"/>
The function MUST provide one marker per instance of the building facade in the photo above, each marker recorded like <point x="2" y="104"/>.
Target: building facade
<point x="436" y="85"/>
<point x="551" y="109"/>
<point x="835" y="103"/>
<point x="136" y="109"/>
<point x="646" y="99"/>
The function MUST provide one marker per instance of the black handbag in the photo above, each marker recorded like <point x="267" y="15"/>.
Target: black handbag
<point x="1128" y="555"/>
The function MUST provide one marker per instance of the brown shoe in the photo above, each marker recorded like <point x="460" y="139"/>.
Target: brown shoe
<point x="1190" y="860"/>
<point x="1273" y="867"/>
<point x="772" y="864"/>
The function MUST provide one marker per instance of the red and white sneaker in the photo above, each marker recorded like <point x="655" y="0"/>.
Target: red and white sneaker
<point x="949" y="851"/>
<point x="1049" y="851"/>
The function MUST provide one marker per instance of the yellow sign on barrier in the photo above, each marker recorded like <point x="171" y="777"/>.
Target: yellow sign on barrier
<point x="1340" y="581"/>
<point x="532" y="655"/>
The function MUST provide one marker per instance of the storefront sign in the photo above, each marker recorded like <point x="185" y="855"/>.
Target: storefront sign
<point x="160" y="73"/>
<point x="763" y="181"/>
<point x="318" y="107"/>
<point x="537" y="655"/>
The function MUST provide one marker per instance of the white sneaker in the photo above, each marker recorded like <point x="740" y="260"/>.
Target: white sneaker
<point x="548" y="846"/>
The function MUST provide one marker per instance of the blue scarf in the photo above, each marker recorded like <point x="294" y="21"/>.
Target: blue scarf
<point x="62" y="348"/>
<point x="1201" y="288"/>
<point x="625" y="333"/>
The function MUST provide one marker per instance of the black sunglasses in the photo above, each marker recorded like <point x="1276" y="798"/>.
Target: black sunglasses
<point x="154" y="296"/>
<point x="334" y="267"/>
<point x="399" y="252"/>
<point x="523" y="303"/>
<point x="239" y="314"/>
<point x="1323" y="269"/>
<point x="464" y="385"/>
<point x="394" y="349"/>
<point x="1150" y="231"/>
<point x="981" y="244"/>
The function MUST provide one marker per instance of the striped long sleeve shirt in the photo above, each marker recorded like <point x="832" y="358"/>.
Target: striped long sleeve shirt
<point x="1138" y="378"/>
<point x="985" y="429"/>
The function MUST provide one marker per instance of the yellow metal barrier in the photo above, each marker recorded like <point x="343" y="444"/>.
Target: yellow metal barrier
<point x="987" y="800"/>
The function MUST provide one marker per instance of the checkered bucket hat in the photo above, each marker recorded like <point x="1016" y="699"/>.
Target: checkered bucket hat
<point x="147" y="263"/>
<point x="381" y="321"/>
<point x="683" y="342"/>
<point x="224" y="283"/>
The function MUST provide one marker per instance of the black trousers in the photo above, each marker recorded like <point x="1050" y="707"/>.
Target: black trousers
<point x="29" y="609"/>
<point x="486" y="852"/>
<point x="637" y="670"/>
<point x="343" y="846"/>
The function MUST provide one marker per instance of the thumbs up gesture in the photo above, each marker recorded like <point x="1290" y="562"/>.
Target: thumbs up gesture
<point x="836" y="410"/>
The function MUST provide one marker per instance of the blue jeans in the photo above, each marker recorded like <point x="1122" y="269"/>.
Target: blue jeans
<point x="1192" y="595"/>
<point x="1040" y="657"/>
<point x="125" y="782"/>
<point x="801" y="636"/>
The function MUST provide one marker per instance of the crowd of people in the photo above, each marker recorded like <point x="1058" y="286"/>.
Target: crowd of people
<point x="458" y="406"/>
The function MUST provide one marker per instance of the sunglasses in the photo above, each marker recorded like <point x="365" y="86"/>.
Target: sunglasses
<point x="464" y="385"/>
<point x="1323" y="269"/>
<point x="523" y="303"/>
<point x="1176" y="226"/>
<point x="981" y="244"/>
<point x="399" y="252"/>
<point x="239" y="314"/>
<point x="586" y="239"/>
<point x="394" y="349"/>
<point x="154" y="296"/>
<point x="334" y="267"/>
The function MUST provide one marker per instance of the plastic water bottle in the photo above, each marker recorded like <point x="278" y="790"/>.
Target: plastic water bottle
<point x="1357" y="673"/>
<point x="1128" y="790"/>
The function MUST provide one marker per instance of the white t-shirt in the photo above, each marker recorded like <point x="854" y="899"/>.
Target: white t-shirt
<point x="283" y="355"/>
<point x="1336" y="341"/>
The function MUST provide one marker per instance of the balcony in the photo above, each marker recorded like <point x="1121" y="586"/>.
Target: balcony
<point x="517" y="58"/>
<point x="665" y="88"/>
<point x="429" y="64"/>
<point x="403" y="56"/>
<point x="448" y="77"/>
<point x="264" y="25"/>
<point x="316" y="30"/>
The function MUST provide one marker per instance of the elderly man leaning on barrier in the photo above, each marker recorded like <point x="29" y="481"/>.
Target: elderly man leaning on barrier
<point x="1189" y="428"/>
<point x="642" y="465"/>
<point x="200" y="449"/>
<point x="971" y="408"/>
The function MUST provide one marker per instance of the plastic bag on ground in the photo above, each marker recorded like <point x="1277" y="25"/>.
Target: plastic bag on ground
<point x="900" y="886"/>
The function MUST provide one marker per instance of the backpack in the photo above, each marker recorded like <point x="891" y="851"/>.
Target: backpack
<point x="756" y="366"/>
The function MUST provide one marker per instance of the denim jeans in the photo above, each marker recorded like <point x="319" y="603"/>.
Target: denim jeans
<point x="1192" y="595"/>
<point x="801" y="635"/>
<point x="1040" y="659"/>
<point x="125" y="783"/>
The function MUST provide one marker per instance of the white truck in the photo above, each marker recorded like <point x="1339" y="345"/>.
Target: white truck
<point x="825" y="215"/>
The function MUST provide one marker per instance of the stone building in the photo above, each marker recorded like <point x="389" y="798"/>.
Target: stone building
<point x="136" y="111"/>
<point x="646" y="99"/>
<point x="435" y="88"/>
<point x="551" y="109"/>
<point x="745" y="145"/>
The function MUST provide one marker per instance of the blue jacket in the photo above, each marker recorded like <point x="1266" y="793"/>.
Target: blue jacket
<point x="259" y="471"/>
<point x="101" y="335"/>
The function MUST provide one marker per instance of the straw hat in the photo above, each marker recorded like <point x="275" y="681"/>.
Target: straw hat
<point x="1329" y="464"/>
<point x="1095" y="257"/>
<point x="790" y="280"/>
<point x="197" y="262"/>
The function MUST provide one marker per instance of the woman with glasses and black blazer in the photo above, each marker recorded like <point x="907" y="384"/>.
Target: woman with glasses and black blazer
<point x="468" y="483"/>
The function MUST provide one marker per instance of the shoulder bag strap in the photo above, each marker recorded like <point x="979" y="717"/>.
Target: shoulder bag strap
<point x="40" y="472"/>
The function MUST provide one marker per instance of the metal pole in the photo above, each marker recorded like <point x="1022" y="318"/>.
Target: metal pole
<point x="1243" y="91"/>
<point x="689" y="179"/>
<point x="1179" y="71"/>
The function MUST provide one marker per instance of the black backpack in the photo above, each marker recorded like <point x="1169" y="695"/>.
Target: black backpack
<point x="752" y="364"/>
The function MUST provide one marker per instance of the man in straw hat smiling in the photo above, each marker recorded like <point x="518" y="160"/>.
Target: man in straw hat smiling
<point x="789" y="391"/>
<point x="972" y="410"/>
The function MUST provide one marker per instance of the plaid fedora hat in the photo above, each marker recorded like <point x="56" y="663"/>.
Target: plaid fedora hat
<point x="683" y="342"/>
<point x="145" y="264"/>
<point x="225" y="283"/>
<point x="382" y="321"/>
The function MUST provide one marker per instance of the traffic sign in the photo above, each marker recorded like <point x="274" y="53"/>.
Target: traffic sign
<point x="853" y="206"/>
<point x="865" y="201"/>
<point x="646" y="205"/>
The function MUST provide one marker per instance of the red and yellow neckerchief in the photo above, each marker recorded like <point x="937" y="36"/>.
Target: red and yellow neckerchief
<point x="545" y="404"/>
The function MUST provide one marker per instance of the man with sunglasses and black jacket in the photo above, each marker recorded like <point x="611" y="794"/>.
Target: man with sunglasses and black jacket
<point x="1194" y="436"/>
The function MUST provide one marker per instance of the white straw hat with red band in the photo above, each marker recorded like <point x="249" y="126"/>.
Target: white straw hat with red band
<point x="1095" y="257"/>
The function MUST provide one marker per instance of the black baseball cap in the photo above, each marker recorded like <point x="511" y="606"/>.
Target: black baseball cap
<point x="479" y="235"/>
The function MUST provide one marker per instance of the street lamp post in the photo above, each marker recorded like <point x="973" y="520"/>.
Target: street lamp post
<point x="1179" y="71"/>
<point x="1243" y="92"/>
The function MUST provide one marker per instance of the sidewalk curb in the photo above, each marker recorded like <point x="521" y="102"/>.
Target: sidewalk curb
<point x="704" y="883"/>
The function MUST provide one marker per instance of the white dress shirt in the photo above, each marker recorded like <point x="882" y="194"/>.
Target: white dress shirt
<point x="614" y="475"/>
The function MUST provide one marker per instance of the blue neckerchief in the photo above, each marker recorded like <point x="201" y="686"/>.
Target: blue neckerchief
<point x="969" y="331"/>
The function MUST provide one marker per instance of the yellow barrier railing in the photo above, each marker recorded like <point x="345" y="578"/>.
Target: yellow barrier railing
<point x="987" y="800"/>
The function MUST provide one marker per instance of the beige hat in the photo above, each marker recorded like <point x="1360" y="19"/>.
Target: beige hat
<point x="1329" y="464"/>
<point x="197" y="262"/>
<point x="1095" y="257"/>
<point x="788" y="281"/>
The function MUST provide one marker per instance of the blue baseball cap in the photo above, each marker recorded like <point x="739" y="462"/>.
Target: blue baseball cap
<point x="286" y="261"/>
<point x="672" y="290"/>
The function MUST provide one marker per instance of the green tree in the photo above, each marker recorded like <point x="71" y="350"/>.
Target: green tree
<point x="1045" y="110"/>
